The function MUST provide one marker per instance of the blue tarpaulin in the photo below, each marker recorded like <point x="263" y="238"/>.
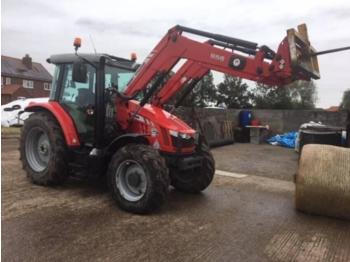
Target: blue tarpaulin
<point x="285" y="140"/>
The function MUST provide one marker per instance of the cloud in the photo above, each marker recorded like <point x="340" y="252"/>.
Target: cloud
<point x="144" y="28"/>
<point x="341" y="12"/>
<point x="41" y="28"/>
<point x="30" y="8"/>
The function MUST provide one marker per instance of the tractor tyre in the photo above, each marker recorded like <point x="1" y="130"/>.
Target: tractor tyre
<point x="43" y="150"/>
<point x="138" y="178"/>
<point x="198" y="179"/>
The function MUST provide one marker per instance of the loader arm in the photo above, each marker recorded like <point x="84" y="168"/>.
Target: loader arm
<point x="220" y="53"/>
<point x="188" y="73"/>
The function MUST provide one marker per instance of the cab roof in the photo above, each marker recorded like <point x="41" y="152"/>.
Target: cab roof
<point x="93" y="58"/>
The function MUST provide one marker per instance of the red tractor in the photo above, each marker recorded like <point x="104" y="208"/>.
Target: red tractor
<point x="105" y="114"/>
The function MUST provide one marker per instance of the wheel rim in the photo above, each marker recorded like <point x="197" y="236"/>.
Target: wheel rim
<point x="131" y="180"/>
<point x="38" y="149"/>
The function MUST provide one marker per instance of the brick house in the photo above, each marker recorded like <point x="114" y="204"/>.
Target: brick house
<point x="23" y="78"/>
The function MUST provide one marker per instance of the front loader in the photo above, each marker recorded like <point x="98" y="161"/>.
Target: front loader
<point x="105" y="114"/>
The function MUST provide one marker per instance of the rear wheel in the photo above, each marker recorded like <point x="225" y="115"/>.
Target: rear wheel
<point x="198" y="179"/>
<point x="43" y="150"/>
<point x="138" y="178"/>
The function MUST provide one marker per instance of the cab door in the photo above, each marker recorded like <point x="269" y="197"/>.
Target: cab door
<point x="78" y="99"/>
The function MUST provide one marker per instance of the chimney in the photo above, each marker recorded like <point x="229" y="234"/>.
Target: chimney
<point x="27" y="61"/>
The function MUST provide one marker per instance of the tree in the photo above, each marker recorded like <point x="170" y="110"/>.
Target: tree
<point x="234" y="93"/>
<point x="345" y="103"/>
<point x="271" y="97"/>
<point x="298" y="95"/>
<point x="205" y="91"/>
<point x="202" y="95"/>
<point x="304" y="94"/>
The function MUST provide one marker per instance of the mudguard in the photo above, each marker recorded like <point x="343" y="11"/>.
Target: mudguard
<point x="67" y="125"/>
<point x="124" y="139"/>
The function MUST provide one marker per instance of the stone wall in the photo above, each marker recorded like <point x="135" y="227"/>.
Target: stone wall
<point x="218" y="124"/>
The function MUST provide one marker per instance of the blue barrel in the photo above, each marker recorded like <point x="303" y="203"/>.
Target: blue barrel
<point x="245" y="116"/>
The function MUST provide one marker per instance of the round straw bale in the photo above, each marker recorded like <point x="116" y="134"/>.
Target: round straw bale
<point x="323" y="181"/>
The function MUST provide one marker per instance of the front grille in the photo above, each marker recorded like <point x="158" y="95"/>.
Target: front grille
<point x="180" y="142"/>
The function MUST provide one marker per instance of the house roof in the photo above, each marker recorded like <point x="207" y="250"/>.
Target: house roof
<point x="14" y="67"/>
<point x="333" y="109"/>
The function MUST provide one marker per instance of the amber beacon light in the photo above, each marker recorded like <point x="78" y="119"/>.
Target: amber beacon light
<point x="77" y="43"/>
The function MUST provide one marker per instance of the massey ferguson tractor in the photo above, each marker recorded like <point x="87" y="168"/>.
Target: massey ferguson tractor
<point x="105" y="114"/>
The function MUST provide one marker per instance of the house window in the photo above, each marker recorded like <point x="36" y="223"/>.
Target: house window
<point x="47" y="86"/>
<point x="8" y="81"/>
<point x="28" y="83"/>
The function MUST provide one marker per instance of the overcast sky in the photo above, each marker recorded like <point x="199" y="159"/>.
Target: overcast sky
<point x="41" y="28"/>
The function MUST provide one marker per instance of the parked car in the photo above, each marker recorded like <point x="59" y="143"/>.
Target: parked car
<point x="12" y="114"/>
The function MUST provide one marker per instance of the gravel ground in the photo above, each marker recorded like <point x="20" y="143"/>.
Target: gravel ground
<point x="235" y="219"/>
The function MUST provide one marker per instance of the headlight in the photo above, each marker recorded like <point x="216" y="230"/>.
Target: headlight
<point x="179" y="134"/>
<point x="181" y="139"/>
<point x="173" y="133"/>
<point x="184" y="136"/>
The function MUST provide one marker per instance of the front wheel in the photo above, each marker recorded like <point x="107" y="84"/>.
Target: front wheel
<point x="198" y="179"/>
<point x="138" y="178"/>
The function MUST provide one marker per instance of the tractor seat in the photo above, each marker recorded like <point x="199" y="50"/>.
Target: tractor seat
<point x="85" y="97"/>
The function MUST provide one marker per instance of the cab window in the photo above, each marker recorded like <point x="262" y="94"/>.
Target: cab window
<point x="81" y="94"/>
<point x="77" y="99"/>
<point x="54" y="82"/>
<point x="117" y="77"/>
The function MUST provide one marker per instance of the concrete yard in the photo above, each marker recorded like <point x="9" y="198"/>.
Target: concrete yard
<point x="250" y="218"/>
<point x="258" y="160"/>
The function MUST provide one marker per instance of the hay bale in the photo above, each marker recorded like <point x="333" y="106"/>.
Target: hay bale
<point x="323" y="181"/>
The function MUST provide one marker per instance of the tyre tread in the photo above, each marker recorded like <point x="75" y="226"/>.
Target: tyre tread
<point x="154" y="163"/>
<point x="57" y="171"/>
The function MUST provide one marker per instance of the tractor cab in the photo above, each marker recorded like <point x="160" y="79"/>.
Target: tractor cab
<point x="80" y="85"/>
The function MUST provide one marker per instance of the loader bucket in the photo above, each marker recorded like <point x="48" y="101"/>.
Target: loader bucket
<point x="301" y="52"/>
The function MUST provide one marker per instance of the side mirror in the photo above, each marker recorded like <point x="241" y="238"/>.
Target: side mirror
<point x="79" y="72"/>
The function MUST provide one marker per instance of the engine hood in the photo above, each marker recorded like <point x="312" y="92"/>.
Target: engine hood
<point x="161" y="118"/>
